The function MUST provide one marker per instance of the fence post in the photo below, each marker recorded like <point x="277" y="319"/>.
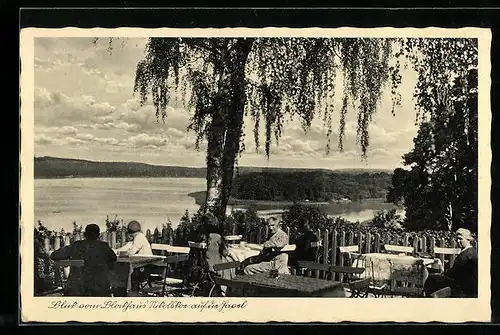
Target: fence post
<point x="124" y="237"/>
<point x="424" y="243"/>
<point x="377" y="242"/>
<point x="360" y="242"/>
<point x="156" y="235"/>
<point x="396" y="240"/>
<point x="78" y="237"/>
<point x="368" y="243"/>
<point x="267" y="233"/>
<point x="452" y="257"/>
<point x="288" y="232"/>
<point x="333" y="251"/>
<point x="341" y="244"/>
<point x="405" y="240"/>
<point x="46" y="245"/>
<point x="432" y="242"/>
<point x="384" y="239"/>
<point x="351" y="237"/>
<point x="57" y="242"/>
<point x="164" y="235"/>
<point x="67" y="240"/>
<point x="443" y="245"/>
<point x="325" y="246"/>
<point x="113" y="240"/>
<point x="148" y="235"/>
<point x="415" y="244"/>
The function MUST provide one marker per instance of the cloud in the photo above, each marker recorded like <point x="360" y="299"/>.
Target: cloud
<point x="108" y="140"/>
<point x="68" y="130"/>
<point x="58" y="108"/>
<point x="85" y="137"/>
<point x="147" y="141"/>
<point x="43" y="139"/>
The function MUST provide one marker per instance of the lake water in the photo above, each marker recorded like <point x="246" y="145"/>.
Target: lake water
<point x="151" y="201"/>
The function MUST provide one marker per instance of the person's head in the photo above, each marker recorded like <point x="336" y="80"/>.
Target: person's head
<point x="304" y="225"/>
<point x="133" y="228"/>
<point x="464" y="237"/>
<point x="209" y="223"/>
<point x="273" y="224"/>
<point x="92" y="232"/>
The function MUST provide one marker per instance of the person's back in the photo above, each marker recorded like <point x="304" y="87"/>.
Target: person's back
<point x="93" y="278"/>
<point x="464" y="271"/>
<point x="304" y="250"/>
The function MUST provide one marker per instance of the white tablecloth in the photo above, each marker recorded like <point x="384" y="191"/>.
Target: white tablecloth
<point x="380" y="266"/>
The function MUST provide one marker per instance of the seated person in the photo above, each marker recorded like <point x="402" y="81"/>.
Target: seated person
<point x="93" y="278"/>
<point x="138" y="245"/>
<point x="272" y="258"/>
<point x="304" y="250"/>
<point x="462" y="277"/>
<point x="217" y="249"/>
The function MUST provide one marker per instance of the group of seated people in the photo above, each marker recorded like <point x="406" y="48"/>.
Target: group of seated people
<point x="93" y="279"/>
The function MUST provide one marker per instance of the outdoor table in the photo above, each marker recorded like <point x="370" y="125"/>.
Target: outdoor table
<point x="378" y="265"/>
<point x="240" y="253"/>
<point x="263" y="285"/>
<point x="120" y="275"/>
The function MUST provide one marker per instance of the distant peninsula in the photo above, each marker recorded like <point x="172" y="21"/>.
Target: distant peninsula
<point x="54" y="167"/>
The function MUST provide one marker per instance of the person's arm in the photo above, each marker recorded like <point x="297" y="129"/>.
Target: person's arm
<point x="110" y="257"/>
<point x="61" y="254"/>
<point x="126" y="247"/>
<point x="278" y="240"/>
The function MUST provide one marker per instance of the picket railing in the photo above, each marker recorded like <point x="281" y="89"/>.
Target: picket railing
<point x="331" y="240"/>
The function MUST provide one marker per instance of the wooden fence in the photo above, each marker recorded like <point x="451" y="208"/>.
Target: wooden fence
<point x="328" y="253"/>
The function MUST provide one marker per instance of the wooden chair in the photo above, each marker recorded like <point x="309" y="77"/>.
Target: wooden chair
<point x="407" y="278"/>
<point x="64" y="268"/>
<point x="398" y="249"/>
<point x="443" y="252"/>
<point x="357" y="286"/>
<point x="217" y="281"/>
<point x="233" y="238"/>
<point x="442" y="293"/>
<point x="173" y="284"/>
<point x="170" y="248"/>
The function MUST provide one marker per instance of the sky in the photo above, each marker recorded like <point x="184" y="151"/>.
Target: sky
<point x="85" y="108"/>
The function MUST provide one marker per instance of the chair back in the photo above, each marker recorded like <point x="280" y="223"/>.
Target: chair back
<point x="407" y="277"/>
<point x="77" y="263"/>
<point x="446" y="255"/>
<point x="174" y="259"/>
<point x="442" y="293"/>
<point x="226" y="266"/>
<point x="233" y="238"/>
<point x="349" y="249"/>
<point x="398" y="249"/>
<point x="170" y="248"/>
<point x="197" y="245"/>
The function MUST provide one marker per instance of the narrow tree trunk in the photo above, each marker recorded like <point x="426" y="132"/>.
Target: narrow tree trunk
<point x="214" y="161"/>
<point x="235" y="125"/>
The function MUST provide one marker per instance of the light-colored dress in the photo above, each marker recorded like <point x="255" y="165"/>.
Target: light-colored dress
<point x="218" y="253"/>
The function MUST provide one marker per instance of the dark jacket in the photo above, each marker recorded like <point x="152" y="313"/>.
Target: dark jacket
<point x="464" y="272"/>
<point x="303" y="249"/>
<point x="93" y="278"/>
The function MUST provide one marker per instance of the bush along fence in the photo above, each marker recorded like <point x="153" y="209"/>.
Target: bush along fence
<point x="368" y="242"/>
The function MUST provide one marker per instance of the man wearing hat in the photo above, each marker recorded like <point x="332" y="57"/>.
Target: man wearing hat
<point x="138" y="245"/>
<point x="98" y="258"/>
<point x="462" y="277"/>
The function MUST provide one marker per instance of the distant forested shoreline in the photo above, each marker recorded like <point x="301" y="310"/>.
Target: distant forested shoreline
<point x="54" y="167"/>
<point x="316" y="186"/>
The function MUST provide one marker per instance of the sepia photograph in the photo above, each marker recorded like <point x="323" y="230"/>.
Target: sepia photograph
<point x="172" y="167"/>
